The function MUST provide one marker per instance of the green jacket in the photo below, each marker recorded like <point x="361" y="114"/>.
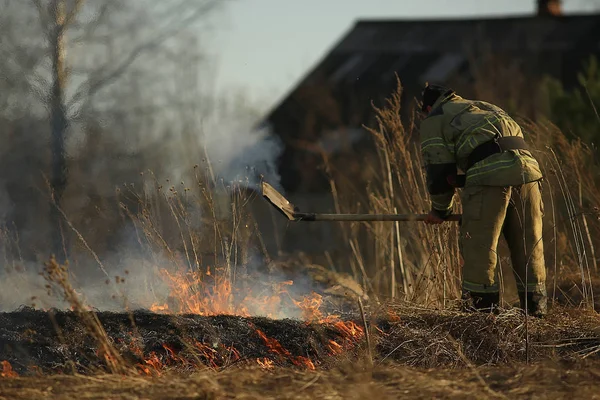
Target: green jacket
<point x="454" y="127"/>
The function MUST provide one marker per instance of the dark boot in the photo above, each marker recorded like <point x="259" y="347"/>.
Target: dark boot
<point x="537" y="303"/>
<point x="487" y="302"/>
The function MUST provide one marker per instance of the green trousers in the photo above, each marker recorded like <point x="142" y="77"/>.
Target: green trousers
<point x="514" y="211"/>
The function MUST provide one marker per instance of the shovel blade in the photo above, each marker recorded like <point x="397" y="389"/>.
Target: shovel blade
<point x="278" y="201"/>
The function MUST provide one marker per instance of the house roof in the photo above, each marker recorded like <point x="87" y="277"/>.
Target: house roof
<point x="374" y="50"/>
<point x="513" y="33"/>
<point x="336" y="95"/>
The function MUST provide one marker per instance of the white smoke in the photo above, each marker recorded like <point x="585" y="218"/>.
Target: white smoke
<point x="132" y="281"/>
<point x="238" y="154"/>
<point x="241" y="154"/>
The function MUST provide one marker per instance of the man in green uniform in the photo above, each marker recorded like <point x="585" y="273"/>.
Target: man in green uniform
<point x="501" y="194"/>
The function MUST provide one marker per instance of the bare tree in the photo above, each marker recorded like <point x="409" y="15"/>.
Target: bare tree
<point x="71" y="86"/>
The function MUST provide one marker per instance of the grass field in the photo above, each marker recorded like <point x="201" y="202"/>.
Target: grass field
<point x="391" y="381"/>
<point x="415" y="353"/>
<point x="392" y="328"/>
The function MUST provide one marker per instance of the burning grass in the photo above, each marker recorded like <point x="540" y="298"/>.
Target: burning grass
<point x="59" y="342"/>
<point x="204" y="340"/>
<point x="419" y="353"/>
<point x="204" y="343"/>
<point x="154" y="344"/>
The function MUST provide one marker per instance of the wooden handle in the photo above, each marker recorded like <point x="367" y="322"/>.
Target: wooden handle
<point x="367" y="217"/>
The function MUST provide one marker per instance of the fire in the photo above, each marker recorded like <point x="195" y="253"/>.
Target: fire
<point x="310" y="306"/>
<point x="335" y="347"/>
<point x="265" y="363"/>
<point x="199" y="295"/>
<point x="349" y="328"/>
<point x="152" y="366"/>
<point x="393" y="316"/>
<point x="157" y="308"/>
<point x="351" y="332"/>
<point x="198" y="356"/>
<point x="211" y="293"/>
<point x="7" y="371"/>
<point x="276" y="348"/>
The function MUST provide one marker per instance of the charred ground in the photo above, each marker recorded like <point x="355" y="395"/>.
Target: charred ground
<point x="34" y="341"/>
<point x="57" y="341"/>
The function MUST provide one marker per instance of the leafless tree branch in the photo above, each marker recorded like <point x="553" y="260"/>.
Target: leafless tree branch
<point x="89" y="88"/>
<point x="43" y="16"/>
<point x="73" y="13"/>
<point x="20" y="61"/>
<point x="93" y="25"/>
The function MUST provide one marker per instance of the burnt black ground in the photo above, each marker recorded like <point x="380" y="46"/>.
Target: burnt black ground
<point x="57" y="341"/>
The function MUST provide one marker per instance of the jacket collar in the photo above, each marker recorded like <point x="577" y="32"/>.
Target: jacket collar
<point x="436" y="108"/>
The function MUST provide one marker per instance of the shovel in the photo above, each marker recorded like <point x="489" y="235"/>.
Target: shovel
<point x="293" y="213"/>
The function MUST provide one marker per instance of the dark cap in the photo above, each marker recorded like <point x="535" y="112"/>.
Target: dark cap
<point x="431" y="93"/>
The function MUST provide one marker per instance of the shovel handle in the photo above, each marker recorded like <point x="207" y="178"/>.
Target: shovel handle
<point x="367" y="217"/>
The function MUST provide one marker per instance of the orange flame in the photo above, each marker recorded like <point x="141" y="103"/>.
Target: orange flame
<point x="311" y="310"/>
<point x="351" y="332"/>
<point x="349" y="328"/>
<point x="310" y="307"/>
<point x="393" y="316"/>
<point x="7" y="370"/>
<point x="335" y="347"/>
<point x="153" y="366"/>
<point x="211" y="293"/>
<point x="276" y="348"/>
<point x="196" y="295"/>
<point x="265" y="363"/>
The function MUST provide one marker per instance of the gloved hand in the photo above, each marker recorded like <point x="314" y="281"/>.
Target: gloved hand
<point x="433" y="218"/>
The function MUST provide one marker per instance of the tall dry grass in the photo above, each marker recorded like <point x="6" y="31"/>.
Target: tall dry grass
<point x="204" y="225"/>
<point x="408" y="261"/>
<point x="203" y="233"/>
<point x="422" y="264"/>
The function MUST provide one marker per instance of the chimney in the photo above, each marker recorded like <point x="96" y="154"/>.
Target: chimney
<point x="549" y="8"/>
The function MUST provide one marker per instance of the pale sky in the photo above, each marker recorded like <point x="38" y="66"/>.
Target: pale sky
<point x="264" y="47"/>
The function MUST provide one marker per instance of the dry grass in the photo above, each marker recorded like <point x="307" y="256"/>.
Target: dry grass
<point x="148" y="343"/>
<point x="422" y="264"/>
<point x="443" y="338"/>
<point x="419" y="346"/>
<point x="57" y="275"/>
<point x="390" y="381"/>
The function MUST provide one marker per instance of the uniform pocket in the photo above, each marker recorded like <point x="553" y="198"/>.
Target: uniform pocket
<point x="542" y="208"/>
<point x="472" y="202"/>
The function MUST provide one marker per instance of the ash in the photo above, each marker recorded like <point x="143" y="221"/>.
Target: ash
<point x="58" y="342"/>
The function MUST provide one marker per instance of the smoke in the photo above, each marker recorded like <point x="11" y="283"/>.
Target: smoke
<point x="128" y="279"/>
<point x="139" y="123"/>
<point x="135" y="282"/>
<point x="241" y="154"/>
<point x="237" y="153"/>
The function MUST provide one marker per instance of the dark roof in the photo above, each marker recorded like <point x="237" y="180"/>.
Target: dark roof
<point x="423" y="36"/>
<point x="379" y="48"/>
<point x="361" y="68"/>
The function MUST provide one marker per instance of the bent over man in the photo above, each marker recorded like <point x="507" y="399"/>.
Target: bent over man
<point x="501" y="194"/>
